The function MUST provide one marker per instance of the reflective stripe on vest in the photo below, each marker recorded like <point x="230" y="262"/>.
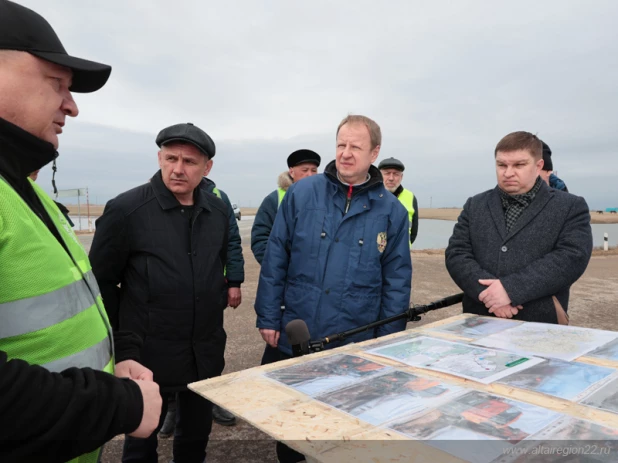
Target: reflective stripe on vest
<point x="59" y="305"/>
<point x="281" y="192"/>
<point x="406" y="197"/>
<point x="93" y="357"/>
<point x="51" y="312"/>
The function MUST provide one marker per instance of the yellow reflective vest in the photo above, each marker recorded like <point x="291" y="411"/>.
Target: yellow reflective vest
<point x="406" y="197"/>
<point x="51" y="311"/>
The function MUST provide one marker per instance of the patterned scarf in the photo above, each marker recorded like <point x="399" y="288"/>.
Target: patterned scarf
<point x="514" y="205"/>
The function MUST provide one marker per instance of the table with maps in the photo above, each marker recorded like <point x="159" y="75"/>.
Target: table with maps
<point x="329" y="425"/>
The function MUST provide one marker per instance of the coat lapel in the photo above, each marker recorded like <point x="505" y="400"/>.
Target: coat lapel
<point x="497" y="213"/>
<point x="540" y="200"/>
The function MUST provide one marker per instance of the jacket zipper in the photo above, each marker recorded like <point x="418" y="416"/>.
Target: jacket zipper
<point x="349" y="199"/>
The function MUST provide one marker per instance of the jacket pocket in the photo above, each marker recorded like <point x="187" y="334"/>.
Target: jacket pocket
<point x="374" y="241"/>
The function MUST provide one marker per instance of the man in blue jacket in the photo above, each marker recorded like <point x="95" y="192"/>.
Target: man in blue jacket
<point x="301" y="164"/>
<point x="338" y="256"/>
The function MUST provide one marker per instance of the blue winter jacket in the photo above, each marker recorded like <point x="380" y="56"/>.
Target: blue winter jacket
<point x="336" y="270"/>
<point x="557" y="183"/>
<point x="265" y="218"/>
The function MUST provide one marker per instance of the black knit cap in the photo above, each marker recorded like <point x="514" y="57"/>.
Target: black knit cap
<point x="187" y="133"/>
<point x="547" y="164"/>
<point x="391" y="163"/>
<point x="303" y="156"/>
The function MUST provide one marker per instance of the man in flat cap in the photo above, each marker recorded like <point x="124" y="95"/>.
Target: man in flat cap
<point x="165" y="243"/>
<point x="392" y="173"/>
<point x="547" y="173"/>
<point x="301" y="163"/>
<point x="60" y="399"/>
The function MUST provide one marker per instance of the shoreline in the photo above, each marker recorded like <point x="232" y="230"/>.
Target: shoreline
<point x="446" y="213"/>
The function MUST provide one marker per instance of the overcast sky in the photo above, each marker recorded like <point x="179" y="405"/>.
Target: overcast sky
<point x="444" y="79"/>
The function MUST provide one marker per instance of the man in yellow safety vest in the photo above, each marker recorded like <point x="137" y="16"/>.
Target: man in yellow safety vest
<point x="59" y="398"/>
<point x="392" y="173"/>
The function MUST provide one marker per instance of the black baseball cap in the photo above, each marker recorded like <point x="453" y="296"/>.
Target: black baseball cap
<point x="187" y="133"/>
<point x="22" y="29"/>
<point x="391" y="163"/>
<point x="303" y="156"/>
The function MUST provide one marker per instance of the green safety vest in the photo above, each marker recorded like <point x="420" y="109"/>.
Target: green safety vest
<point x="281" y="193"/>
<point x="406" y="197"/>
<point x="51" y="311"/>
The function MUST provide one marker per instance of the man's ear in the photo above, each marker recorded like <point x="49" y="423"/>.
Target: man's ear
<point x="374" y="153"/>
<point x="208" y="167"/>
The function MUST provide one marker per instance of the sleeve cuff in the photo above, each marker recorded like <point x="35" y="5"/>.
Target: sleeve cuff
<point x="128" y="346"/>
<point x="134" y="414"/>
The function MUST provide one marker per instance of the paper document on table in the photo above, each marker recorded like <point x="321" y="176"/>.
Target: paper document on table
<point x="550" y="341"/>
<point x="459" y="359"/>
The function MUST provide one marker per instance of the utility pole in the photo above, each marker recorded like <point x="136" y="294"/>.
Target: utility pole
<point x="430" y="202"/>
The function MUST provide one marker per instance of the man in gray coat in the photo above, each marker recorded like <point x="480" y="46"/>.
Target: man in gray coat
<point x="517" y="249"/>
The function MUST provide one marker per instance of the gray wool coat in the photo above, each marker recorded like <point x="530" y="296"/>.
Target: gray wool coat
<point x="543" y="254"/>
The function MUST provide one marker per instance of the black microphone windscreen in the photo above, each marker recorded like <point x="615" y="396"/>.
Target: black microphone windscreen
<point x="297" y="332"/>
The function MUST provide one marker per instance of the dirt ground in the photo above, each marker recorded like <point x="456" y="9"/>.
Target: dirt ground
<point x="594" y="303"/>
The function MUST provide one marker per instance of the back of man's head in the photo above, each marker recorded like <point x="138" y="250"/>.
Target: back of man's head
<point x="520" y="141"/>
<point x="548" y="165"/>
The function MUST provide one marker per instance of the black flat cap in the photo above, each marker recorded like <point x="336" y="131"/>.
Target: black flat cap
<point x="187" y="133"/>
<point x="392" y="163"/>
<point x="22" y="29"/>
<point x="547" y="164"/>
<point x="302" y="156"/>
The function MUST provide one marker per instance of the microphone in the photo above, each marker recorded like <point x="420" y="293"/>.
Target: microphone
<point x="298" y="336"/>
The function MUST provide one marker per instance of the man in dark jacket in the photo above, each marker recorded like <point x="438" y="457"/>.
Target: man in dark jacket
<point x="235" y="265"/>
<point x="234" y="276"/>
<point x="165" y="243"/>
<point x="547" y="173"/>
<point x="57" y="402"/>
<point x="517" y="249"/>
<point x="392" y="173"/>
<point x="338" y="256"/>
<point x="301" y="163"/>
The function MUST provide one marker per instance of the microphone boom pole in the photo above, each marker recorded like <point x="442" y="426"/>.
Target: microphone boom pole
<point x="412" y="314"/>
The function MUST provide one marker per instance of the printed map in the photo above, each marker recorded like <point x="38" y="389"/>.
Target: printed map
<point x="550" y="341"/>
<point x="466" y="361"/>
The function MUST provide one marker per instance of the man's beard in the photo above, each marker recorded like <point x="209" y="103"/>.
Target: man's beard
<point x="393" y="189"/>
